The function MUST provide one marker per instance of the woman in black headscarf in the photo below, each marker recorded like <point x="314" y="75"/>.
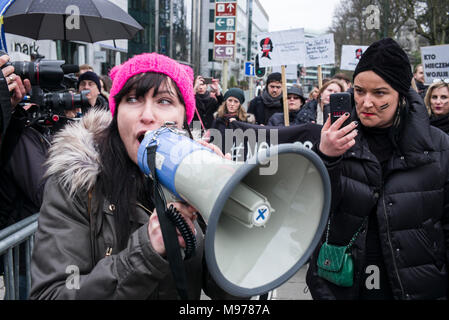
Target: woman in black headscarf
<point x="390" y="196"/>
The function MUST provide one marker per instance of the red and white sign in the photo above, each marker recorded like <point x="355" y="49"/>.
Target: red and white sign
<point x="225" y="9"/>
<point x="224" y="38"/>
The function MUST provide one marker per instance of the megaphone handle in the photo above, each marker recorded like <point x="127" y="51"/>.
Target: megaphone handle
<point x="169" y="235"/>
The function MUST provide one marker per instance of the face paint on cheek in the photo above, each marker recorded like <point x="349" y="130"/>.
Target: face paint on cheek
<point x="385" y="106"/>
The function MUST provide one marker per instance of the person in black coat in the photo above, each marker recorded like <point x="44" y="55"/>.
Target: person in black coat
<point x="437" y="103"/>
<point x="390" y="187"/>
<point x="230" y="110"/>
<point x="206" y="104"/>
<point x="295" y="101"/>
<point x="270" y="101"/>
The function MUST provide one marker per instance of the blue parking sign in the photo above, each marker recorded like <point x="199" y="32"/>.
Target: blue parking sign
<point x="249" y="69"/>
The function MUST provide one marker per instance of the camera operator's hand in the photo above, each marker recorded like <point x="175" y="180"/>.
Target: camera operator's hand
<point x="19" y="89"/>
<point x="15" y="84"/>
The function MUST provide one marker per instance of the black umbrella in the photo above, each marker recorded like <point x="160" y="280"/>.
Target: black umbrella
<point x="58" y="20"/>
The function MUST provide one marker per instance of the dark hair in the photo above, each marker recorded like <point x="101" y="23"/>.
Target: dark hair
<point x="106" y="83"/>
<point x="342" y="76"/>
<point x="144" y="82"/>
<point x="121" y="180"/>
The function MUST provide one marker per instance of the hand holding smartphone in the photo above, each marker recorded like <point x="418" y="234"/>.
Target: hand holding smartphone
<point x="340" y="103"/>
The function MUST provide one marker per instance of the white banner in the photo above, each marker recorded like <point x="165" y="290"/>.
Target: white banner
<point x="435" y="61"/>
<point x="291" y="71"/>
<point x="320" y="50"/>
<point x="281" y="48"/>
<point x="350" y="56"/>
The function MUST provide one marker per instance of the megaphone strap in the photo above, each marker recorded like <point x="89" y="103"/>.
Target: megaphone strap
<point x="168" y="229"/>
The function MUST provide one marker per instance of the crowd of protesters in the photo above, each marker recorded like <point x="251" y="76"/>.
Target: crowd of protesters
<point x="389" y="171"/>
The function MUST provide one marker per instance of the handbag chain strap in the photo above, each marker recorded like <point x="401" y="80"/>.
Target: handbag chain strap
<point x="351" y="242"/>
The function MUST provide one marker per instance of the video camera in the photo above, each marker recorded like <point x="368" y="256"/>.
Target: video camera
<point x="51" y="81"/>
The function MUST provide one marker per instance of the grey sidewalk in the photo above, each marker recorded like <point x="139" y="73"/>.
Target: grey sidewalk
<point x="293" y="289"/>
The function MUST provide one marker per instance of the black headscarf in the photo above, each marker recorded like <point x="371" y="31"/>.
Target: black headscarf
<point x="387" y="59"/>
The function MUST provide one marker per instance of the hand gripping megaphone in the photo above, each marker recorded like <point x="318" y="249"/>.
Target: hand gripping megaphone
<point x="264" y="216"/>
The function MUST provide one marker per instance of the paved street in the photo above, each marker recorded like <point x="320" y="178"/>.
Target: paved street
<point x="291" y="290"/>
<point x="294" y="288"/>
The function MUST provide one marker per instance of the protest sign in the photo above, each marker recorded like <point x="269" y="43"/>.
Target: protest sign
<point x="319" y="50"/>
<point x="242" y="140"/>
<point x="291" y="71"/>
<point x="281" y="48"/>
<point x="350" y="56"/>
<point x="435" y="61"/>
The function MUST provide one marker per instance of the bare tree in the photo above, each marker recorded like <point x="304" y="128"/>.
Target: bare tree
<point x="432" y="17"/>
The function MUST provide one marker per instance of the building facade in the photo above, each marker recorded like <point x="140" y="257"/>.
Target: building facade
<point x="251" y="20"/>
<point x="171" y="27"/>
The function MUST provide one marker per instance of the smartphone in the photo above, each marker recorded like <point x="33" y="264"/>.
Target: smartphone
<point x="340" y="103"/>
<point x="207" y="80"/>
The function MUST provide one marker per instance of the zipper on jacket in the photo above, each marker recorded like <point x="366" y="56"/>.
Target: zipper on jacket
<point x="391" y="246"/>
<point x="145" y="209"/>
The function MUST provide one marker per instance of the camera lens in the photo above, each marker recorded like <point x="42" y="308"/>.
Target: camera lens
<point x="66" y="100"/>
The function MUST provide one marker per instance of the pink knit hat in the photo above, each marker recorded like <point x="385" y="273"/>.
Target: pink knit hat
<point x="181" y="74"/>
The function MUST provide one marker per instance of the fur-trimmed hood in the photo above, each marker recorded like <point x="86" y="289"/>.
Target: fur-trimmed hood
<point x="73" y="156"/>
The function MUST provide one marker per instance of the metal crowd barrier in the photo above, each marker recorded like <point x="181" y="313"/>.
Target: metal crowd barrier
<point x="10" y="240"/>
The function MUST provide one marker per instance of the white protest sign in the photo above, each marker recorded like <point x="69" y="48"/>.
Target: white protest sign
<point x="320" y="50"/>
<point x="291" y="71"/>
<point x="435" y="61"/>
<point x="281" y="48"/>
<point x="350" y="56"/>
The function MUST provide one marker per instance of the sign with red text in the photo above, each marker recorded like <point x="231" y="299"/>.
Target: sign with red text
<point x="226" y="9"/>
<point x="225" y="30"/>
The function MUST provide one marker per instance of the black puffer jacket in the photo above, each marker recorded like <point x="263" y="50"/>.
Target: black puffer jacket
<point x="411" y="205"/>
<point x="277" y="119"/>
<point x="440" y="122"/>
<point x="207" y="106"/>
<point x="308" y="112"/>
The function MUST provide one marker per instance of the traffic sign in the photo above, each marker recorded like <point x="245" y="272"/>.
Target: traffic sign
<point x="249" y="69"/>
<point x="225" y="24"/>
<point x="225" y="30"/>
<point x="225" y="9"/>
<point x="224" y="52"/>
<point x="224" y="38"/>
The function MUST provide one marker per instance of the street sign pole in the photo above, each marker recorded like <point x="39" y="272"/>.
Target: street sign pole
<point x="224" y="80"/>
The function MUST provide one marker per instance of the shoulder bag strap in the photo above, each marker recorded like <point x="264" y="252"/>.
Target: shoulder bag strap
<point x="169" y="234"/>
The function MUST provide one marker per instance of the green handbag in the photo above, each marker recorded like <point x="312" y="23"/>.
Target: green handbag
<point x="335" y="262"/>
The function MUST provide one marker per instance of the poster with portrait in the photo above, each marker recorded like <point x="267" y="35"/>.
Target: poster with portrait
<point x="350" y="56"/>
<point x="281" y="48"/>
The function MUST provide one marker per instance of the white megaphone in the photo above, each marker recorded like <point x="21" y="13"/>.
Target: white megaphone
<point x="264" y="216"/>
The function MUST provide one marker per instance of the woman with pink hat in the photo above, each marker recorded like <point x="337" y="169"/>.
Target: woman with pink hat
<point x="98" y="237"/>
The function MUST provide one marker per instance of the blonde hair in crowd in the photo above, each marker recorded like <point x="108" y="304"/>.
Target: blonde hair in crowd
<point x="241" y="113"/>
<point x="433" y="86"/>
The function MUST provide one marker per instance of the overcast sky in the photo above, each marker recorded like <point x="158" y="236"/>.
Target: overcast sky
<point x="313" y="15"/>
